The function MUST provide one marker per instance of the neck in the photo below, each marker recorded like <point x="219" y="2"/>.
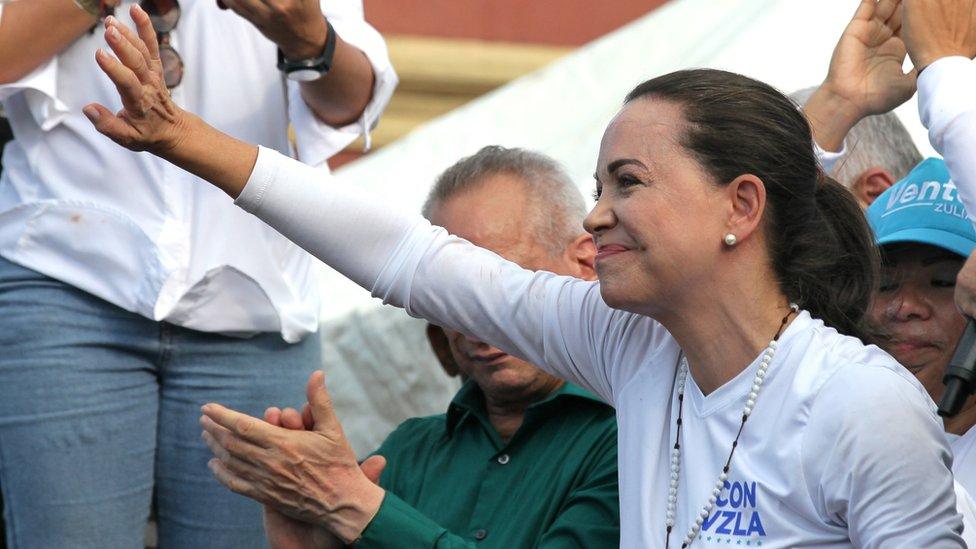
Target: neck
<point x="962" y="422"/>
<point x="722" y="332"/>
<point x="506" y="413"/>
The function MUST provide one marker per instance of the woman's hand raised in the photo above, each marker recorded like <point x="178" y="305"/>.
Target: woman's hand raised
<point x="149" y="120"/>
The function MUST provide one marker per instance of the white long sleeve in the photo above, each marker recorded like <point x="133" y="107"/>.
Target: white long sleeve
<point x="947" y="106"/>
<point x="557" y="322"/>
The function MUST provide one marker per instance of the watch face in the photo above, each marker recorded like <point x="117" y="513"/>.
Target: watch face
<point x="304" y="75"/>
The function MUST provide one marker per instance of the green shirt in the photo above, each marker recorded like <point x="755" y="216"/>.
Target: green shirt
<point x="452" y="482"/>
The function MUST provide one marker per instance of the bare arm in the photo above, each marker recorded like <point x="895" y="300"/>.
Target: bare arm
<point x="298" y="28"/>
<point x="34" y="31"/>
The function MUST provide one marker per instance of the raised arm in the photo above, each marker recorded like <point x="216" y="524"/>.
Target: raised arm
<point x="941" y="39"/>
<point x="559" y="323"/>
<point x="865" y="76"/>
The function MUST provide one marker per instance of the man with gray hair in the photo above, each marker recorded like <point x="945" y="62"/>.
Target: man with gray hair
<point x="521" y="458"/>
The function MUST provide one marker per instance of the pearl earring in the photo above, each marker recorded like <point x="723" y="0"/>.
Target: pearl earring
<point x="730" y="239"/>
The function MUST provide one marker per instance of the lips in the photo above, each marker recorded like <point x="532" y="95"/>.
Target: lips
<point x="489" y="357"/>
<point x="609" y="250"/>
<point x="911" y="351"/>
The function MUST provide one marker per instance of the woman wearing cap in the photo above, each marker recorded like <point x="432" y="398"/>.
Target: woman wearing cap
<point x="920" y="225"/>
<point x="728" y="264"/>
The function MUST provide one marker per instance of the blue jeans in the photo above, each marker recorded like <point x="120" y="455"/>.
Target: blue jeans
<point x="99" y="411"/>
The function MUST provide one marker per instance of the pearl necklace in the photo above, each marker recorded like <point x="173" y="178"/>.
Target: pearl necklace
<point x="757" y="382"/>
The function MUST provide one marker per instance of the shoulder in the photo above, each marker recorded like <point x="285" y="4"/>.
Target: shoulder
<point x="840" y="370"/>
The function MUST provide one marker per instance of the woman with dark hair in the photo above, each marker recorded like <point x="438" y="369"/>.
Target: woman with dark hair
<point x="730" y="269"/>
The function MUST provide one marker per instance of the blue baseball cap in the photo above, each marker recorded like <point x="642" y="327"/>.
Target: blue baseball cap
<point x="924" y="207"/>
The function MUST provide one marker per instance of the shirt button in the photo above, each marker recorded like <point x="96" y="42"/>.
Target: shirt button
<point x="503" y="459"/>
<point x="481" y="534"/>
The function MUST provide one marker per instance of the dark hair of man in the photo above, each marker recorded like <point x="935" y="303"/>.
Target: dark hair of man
<point x="820" y="244"/>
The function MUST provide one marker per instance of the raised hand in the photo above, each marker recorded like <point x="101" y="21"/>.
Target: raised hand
<point x="311" y="475"/>
<point x="939" y="28"/>
<point x="865" y="76"/>
<point x="866" y="66"/>
<point x="149" y="120"/>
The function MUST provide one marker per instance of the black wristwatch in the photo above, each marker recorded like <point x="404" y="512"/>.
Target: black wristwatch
<point x="306" y="70"/>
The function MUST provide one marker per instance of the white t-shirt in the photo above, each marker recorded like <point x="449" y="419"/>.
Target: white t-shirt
<point x="843" y="447"/>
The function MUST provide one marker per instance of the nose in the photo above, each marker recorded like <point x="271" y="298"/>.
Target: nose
<point x="908" y="304"/>
<point x="601" y="218"/>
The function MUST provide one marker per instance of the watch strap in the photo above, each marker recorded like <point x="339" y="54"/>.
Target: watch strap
<point x="321" y="64"/>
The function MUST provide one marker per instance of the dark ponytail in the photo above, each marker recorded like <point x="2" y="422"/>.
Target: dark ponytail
<point x="820" y="243"/>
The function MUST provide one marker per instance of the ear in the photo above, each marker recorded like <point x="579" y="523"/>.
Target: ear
<point x="442" y="349"/>
<point x="581" y="253"/>
<point x="747" y="201"/>
<point x="870" y="184"/>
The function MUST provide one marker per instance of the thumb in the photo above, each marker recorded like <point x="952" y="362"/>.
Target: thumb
<point x="320" y="403"/>
<point x="373" y="467"/>
<point x="108" y="124"/>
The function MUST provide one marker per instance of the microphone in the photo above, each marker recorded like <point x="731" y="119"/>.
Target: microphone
<point x="960" y="375"/>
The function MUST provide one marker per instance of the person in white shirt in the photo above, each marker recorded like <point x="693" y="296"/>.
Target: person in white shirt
<point x="131" y="294"/>
<point x="743" y="419"/>
<point x="944" y="53"/>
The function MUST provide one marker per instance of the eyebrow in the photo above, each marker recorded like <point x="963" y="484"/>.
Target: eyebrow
<point x="619" y="163"/>
<point x="942" y="257"/>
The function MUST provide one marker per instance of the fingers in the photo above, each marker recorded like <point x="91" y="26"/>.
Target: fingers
<point x="273" y="416"/>
<point x="373" y="467"/>
<point x="307" y="418"/>
<point x="894" y="22"/>
<point x="292" y="419"/>
<point x="126" y="82"/>
<point x="134" y="40"/>
<point x="321" y="403"/>
<point x="229" y="444"/>
<point x="885" y="9"/>
<point x="234" y="482"/>
<point x="145" y="30"/>
<point x="252" y="10"/>
<point x="245" y="427"/>
<point x="127" y="53"/>
<point x="865" y="10"/>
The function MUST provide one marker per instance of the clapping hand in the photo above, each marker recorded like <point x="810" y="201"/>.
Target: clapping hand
<point x="309" y="475"/>
<point x="285" y="532"/>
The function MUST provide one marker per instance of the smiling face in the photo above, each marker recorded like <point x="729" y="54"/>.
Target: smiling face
<point x="914" y="304"/>
<point x="495" y="215"/>
<point x="659" y="218"/>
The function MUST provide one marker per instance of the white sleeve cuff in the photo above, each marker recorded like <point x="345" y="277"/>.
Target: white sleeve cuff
<point x="317" y="141"/>
<point x="262" y="177"/>
<point x="828" y="159"/>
